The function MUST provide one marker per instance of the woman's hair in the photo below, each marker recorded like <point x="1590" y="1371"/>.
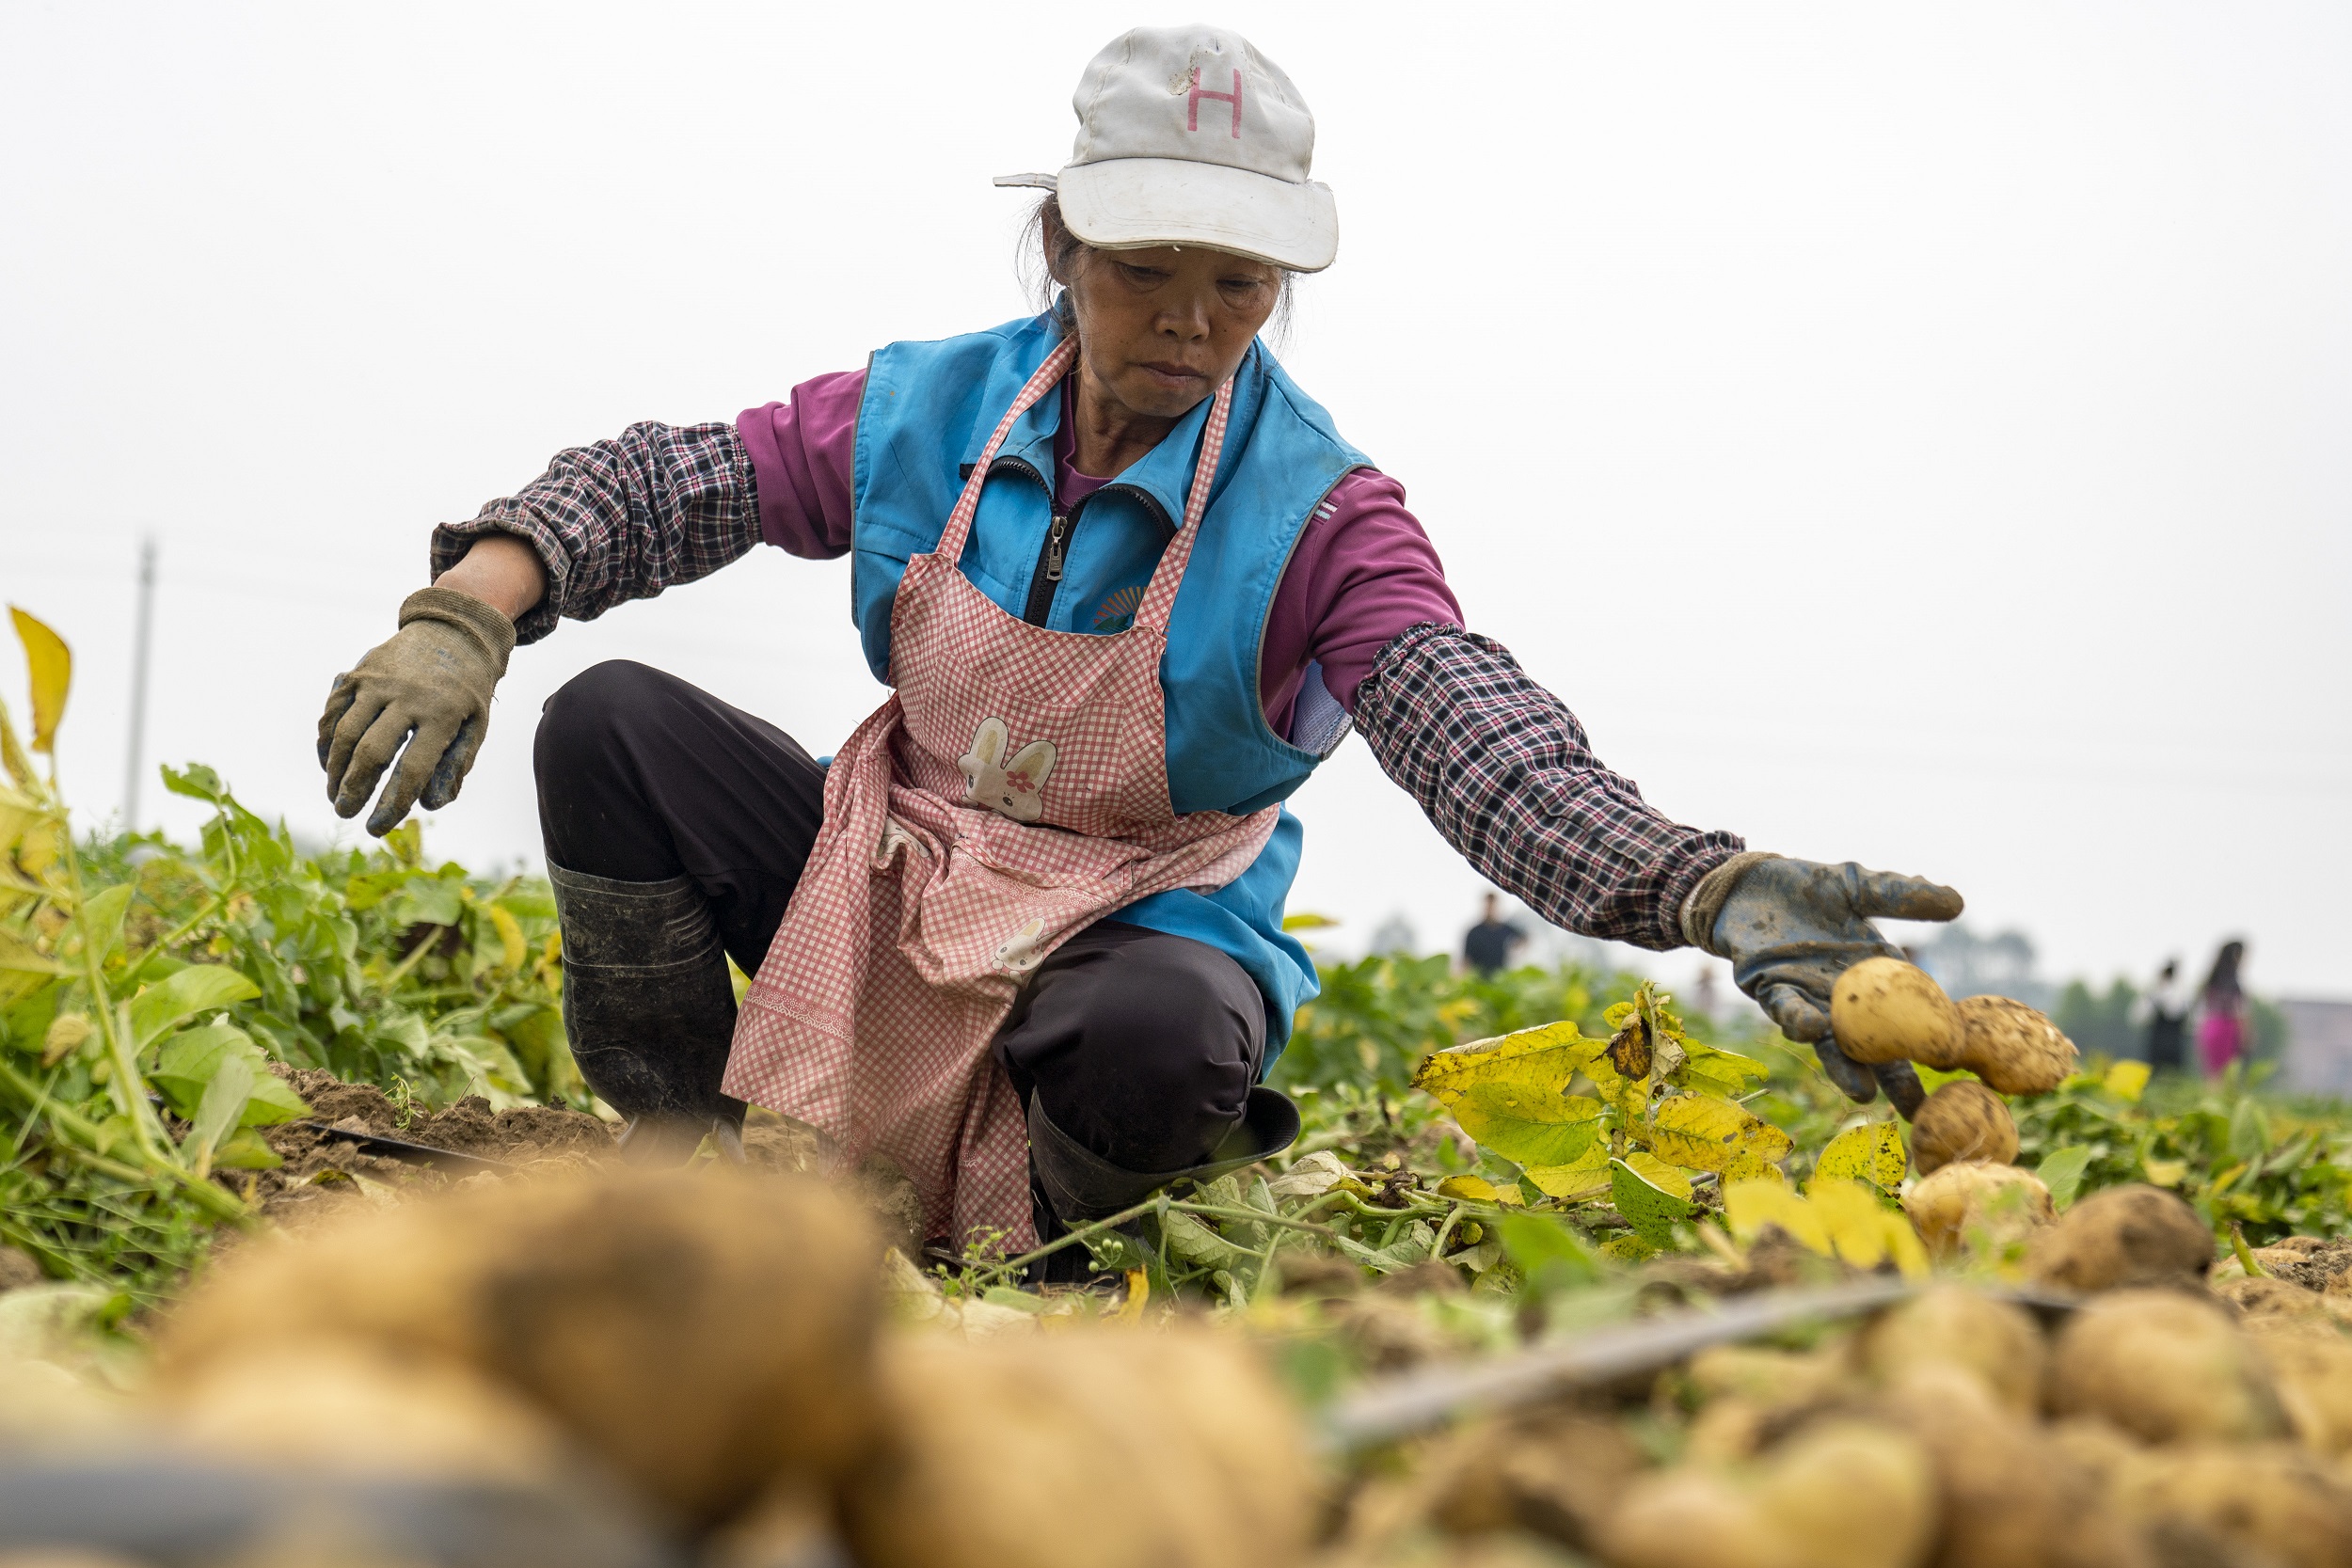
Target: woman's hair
<point x="1047" y="247"/>
<point x="2223" y="980"/>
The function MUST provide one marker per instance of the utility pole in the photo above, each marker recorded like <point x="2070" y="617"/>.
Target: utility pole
<point x="138" y="686"/>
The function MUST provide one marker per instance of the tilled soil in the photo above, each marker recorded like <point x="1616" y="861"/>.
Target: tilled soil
<point x="322" y="1173"/>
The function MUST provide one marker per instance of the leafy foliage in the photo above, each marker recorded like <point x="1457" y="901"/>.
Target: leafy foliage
<point x="145" y="991"/>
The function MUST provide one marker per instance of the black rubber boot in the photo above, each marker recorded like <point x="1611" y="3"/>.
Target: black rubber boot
<point x="1071" y="1185"/>
<point x="649" y="1011"/>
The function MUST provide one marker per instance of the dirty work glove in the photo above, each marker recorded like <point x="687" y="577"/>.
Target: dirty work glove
<point x="432" y="680"/>
<point x="1790" y="927"/>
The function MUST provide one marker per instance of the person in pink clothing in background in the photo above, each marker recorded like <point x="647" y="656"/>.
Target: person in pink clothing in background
<point x="678" y="827"/>
<point x="2222" y="1034"/>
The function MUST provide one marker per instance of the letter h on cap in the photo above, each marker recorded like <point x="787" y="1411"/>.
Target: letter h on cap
<point x="1192" y="104"/>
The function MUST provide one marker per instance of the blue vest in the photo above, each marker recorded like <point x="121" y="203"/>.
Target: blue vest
<point x="928" y="410"/>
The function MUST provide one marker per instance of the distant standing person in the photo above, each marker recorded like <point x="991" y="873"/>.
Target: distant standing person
<point x="2167" y="1045"/>
<point x="2221" y="1032"/>
<point x="1487" y="946"/>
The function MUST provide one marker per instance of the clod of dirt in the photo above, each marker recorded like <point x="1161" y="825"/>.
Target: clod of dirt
<point x="1077" y="1449"/>
<point x="2271" y="1499"/>
<point x="1886" y="1010"/>
<point x="1994" y="1342"/>
<point x="2123" y="1237"/>
<point x="2165" y="1367"/>
<point x="352" y="1409"/>
<point x="19" y="1268"/>
<point x="700" y="1331"/>
<point x="2325" y="1266"/>
<point x="2009" y="1496"/>
<point x="1841" y="1494"/>
<point x="2268" y="1303"/>
<point x="1318" y="1277"/>
<point x="1976" y="1203"/>
<point x="333" y="1101"/>
<point x="2012" y="1047"/>
<point x="521" y="1134"/>
<point x="1962" y="1120"/>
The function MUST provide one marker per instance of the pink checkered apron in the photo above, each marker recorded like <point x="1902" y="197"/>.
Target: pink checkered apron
<point x="1012" y="791"/>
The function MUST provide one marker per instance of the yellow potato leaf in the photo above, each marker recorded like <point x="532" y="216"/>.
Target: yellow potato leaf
<point x="513" y="949"/>
<point x="1627" y="1096"/>
<point x="1864" y="1232"/>
<point x="1587" y="1174"/>
<point x="1660" y="1174"/>
<point x="1477" y="1189"/>
<point x="1719" y="1065"/>
<point x="1544" y="1057"/>
<point x="1752" y="1206"/>
<point x="52" y="665"/>
<point x="2126" y="1080"/>
<point x="22" y="957"/>
<point x="1871" y="1152"/>
<point x="1706" y="1133"/>
<point x="1529" y="1126"/>
<point x="1705" y="1076"/>
<point x="19" y="767"/>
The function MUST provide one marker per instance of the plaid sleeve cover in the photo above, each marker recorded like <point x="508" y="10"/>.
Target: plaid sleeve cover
<point x="623" y="519"/>
<point x="1504" y="771"/>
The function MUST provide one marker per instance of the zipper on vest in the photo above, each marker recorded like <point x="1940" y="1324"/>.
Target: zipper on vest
<point x="1046" y="581"/>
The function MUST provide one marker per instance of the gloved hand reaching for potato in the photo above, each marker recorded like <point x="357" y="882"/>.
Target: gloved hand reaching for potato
<point x="1790" y="927"/>
<point x="431" y="681"/>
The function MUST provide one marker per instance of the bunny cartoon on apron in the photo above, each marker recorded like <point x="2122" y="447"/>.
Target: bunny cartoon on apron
<point x="1012" y="791"/>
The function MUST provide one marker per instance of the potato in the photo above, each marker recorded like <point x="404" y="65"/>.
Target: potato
<point x="1841" y="1494"/>
<point x="2312" y="1373"/>
<point x="1852" y="1494"/>
<point x="2008" y="1496"/>
<point x="1973" y="1203"/>
<point x="1694" y="1518"/>
<point x="2121" y="1237"/>
<point x="2165" y="1367"/>
<point x="2011" y="1047"/>
<point x="1886" y="1010"/>
<point x="2271" y="1498"/>
<point x="1093" y="1446"/>
<point x="339" y="1406"/>
<point x="697" y="1332"/>
<point x="1962" y="1120"/>
<point x="1994" y="1342"/>
<point x="1556" y="1473"/>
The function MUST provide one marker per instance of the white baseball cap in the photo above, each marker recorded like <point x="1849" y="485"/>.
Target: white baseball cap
<point x="1188" y="135"/>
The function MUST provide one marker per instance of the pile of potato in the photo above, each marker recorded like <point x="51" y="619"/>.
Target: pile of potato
<point x="1963" y="1136"/>
<point x="2165" y="1422"/>
<point x="712" y="1345"/>
<point x="2156" y="1425"/>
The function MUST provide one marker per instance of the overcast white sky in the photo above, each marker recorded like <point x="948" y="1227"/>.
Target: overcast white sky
<point x="1915" y="434"/>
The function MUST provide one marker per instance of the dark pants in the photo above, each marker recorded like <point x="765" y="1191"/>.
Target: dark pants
<point x="1139" y="1044"/>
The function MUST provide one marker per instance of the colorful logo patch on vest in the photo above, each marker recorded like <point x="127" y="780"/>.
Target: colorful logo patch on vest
<point x="1116" y="612"/>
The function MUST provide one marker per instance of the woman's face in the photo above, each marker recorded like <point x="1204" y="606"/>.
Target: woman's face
<point x="1161" y="329"/>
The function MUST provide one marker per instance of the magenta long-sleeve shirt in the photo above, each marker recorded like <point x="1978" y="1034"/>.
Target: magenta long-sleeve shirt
<point x="1363" y="571"/>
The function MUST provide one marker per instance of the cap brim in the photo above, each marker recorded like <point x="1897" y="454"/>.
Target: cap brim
<point x="1129" y="204"/>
